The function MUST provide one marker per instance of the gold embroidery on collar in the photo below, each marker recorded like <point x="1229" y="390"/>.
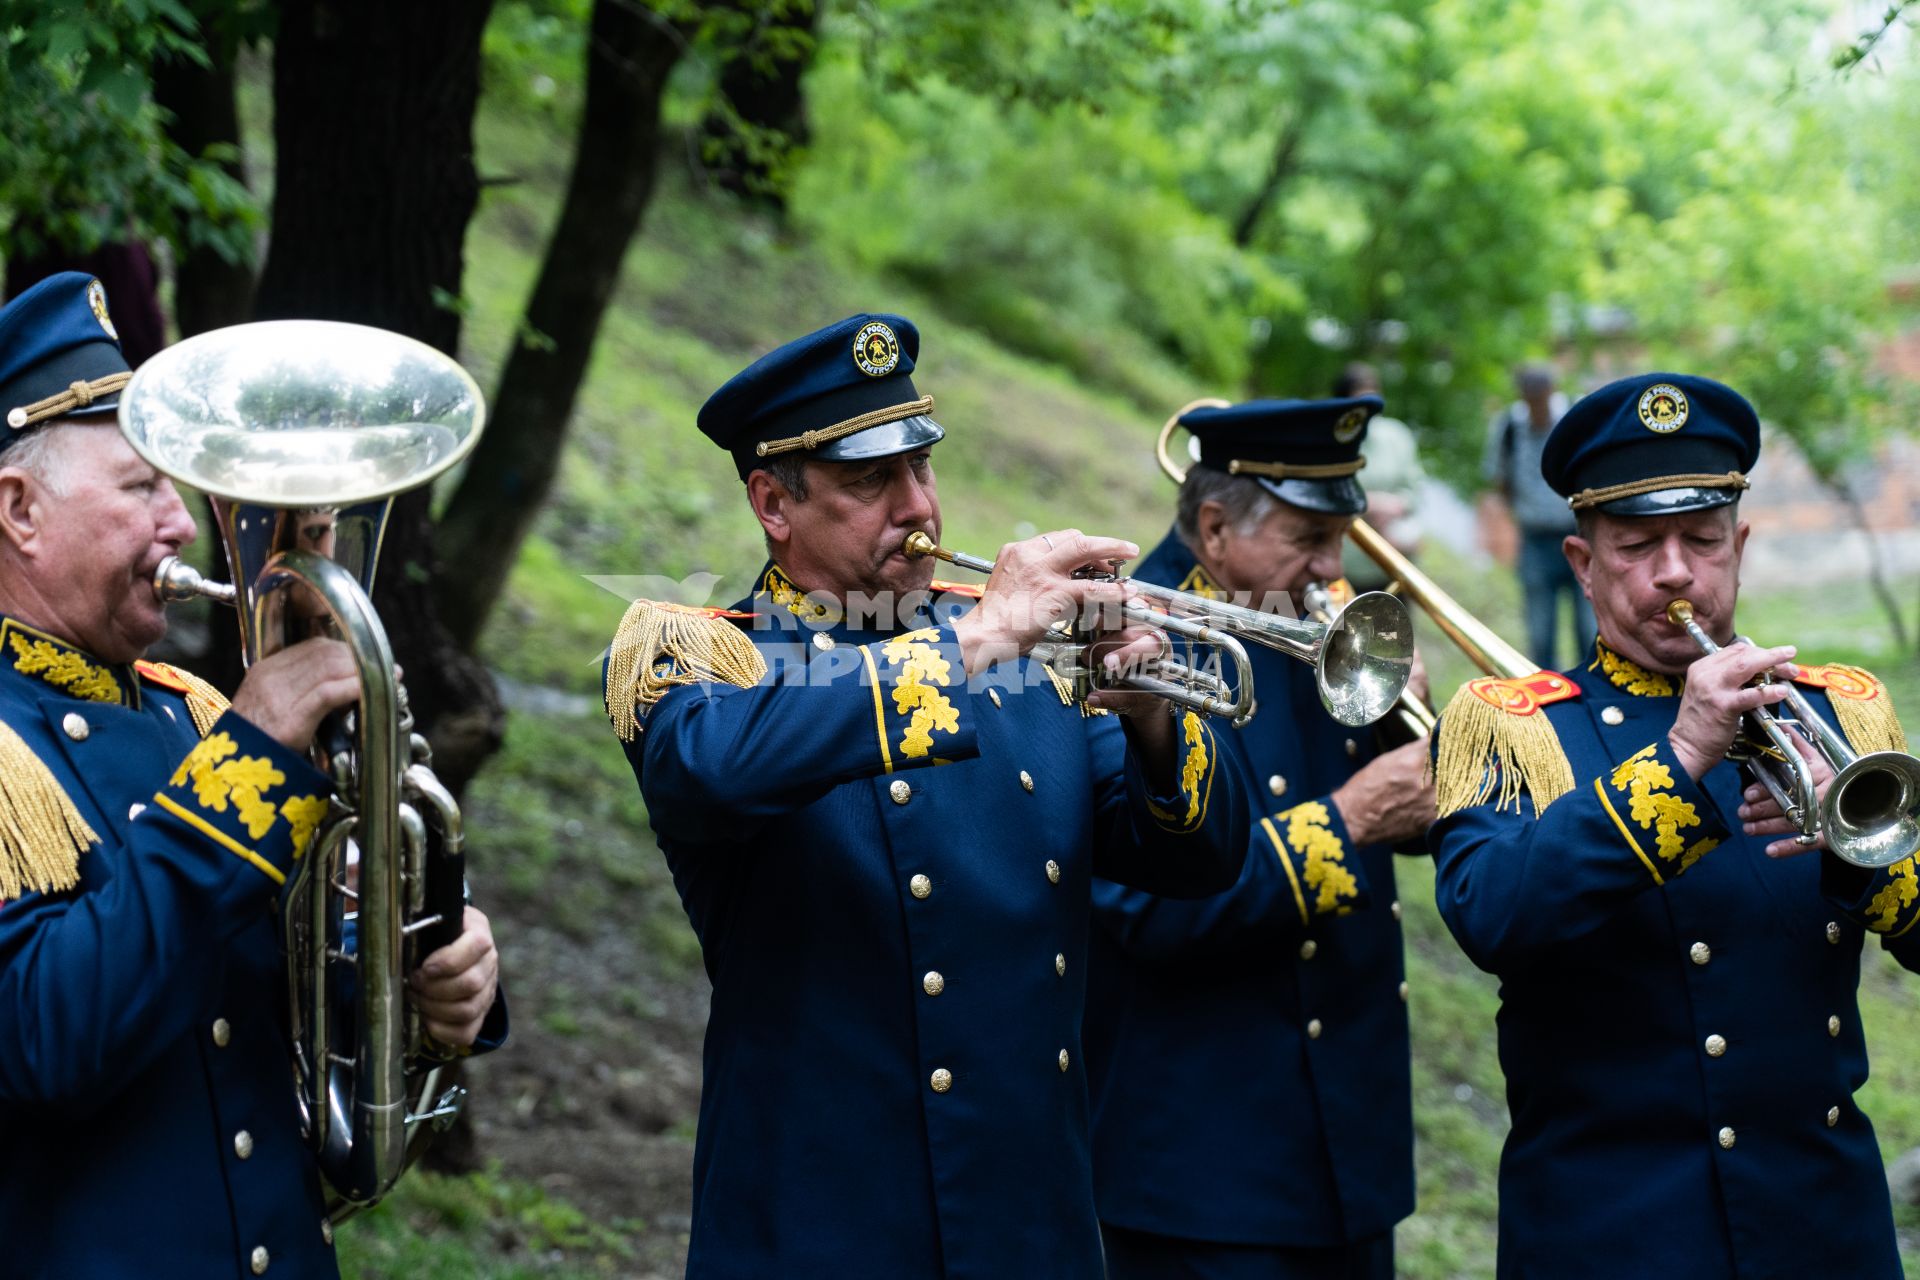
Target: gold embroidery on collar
<point x="1631" y="676"/>
<point x="778" y="585"/>
<point x="921" y="669"/>
<point x="66" y="669"/>
<point x="1333" y="886"/>
<point x="1649" y="785"/>
<point x="1201" y="583"/>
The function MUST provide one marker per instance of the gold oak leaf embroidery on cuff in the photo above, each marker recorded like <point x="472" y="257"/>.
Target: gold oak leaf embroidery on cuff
<point x="303" y="814"/>
<point x="916" y="690"/>
<point x="1333" y="886"/>
<point x="1899" y="892"/>
<point x="1649" y="785"/>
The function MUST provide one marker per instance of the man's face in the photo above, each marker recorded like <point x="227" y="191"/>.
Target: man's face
<point x="847" y="533"/>
<point x="1634" y="567"/>
<point x="1289" y="548"/>
<point x="97" y="545"/>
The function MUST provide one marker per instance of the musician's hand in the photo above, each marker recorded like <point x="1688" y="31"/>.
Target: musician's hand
<point x="289" y="693"/>
<point x="1417" y="683"/>
<point x="1391" y="799"/>
<point x="1761" y="815"/>
<point x="454" y="987"/>
<point x="1031" y="588"/>
<point x="1718" y="693"/>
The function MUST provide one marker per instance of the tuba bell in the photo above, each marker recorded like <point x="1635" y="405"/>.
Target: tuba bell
<point x="300" y="433"/>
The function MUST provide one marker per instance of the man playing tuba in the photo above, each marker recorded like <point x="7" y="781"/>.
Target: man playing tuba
<point x="148" y="1123"/>
<point x="883" y="820"/>
<point x="1678" y="1022"/>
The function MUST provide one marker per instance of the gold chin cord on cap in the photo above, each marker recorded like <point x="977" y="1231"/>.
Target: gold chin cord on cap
<point x="77" y="395"/>
<point x="1634" y="488"/>
<point x="1362" y="660"/>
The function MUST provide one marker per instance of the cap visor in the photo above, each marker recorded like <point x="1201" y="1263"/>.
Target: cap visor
<point x="1670" y="502"/>
<point x="882" y="441"/>
<point x="1341" y="497"/>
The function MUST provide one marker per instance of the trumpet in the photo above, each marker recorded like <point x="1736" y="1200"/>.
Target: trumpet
<point x="1414" y="715"/>
<point x="300" y="433"/>
<point x="1871" y="813"/>
<point x="1362" y="660"/>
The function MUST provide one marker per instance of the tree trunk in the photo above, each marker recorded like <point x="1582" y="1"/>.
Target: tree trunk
<point x="373" y="127"/>
<point x="630" y="53"/>
<point x="1286" y="155"/>
<point x="748" y="140"/>
<point x="208" y="291"/>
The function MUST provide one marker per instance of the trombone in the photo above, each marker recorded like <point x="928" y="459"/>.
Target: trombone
<point x="1361" y="660"/>
<point x="1869" y="815"/>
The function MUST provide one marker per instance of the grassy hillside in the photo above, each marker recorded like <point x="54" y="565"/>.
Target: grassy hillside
<point x="589" y="1116"/>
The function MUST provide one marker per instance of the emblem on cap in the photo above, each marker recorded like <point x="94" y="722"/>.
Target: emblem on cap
<point x="1349" y="425"/>
<point x="97" y="299"/>
<point x="876" y="350"/>
<point x="1663" y="408"/>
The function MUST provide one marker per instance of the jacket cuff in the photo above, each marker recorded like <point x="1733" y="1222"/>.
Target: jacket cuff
<point x="1199" y="759"/>
<point x="1659" y="812"/>
<point x="922" y="707"/>
<point x="248" y="794"/>
<point x="1310" y="841"/>
<point x="1885" y="901"/>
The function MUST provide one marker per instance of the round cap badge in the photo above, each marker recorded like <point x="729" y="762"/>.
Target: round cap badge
<point x="1663" y="408"/>
<point x="876" y="350"/>
<point x="97" y="299"/>
<point x="1349" y="425"/>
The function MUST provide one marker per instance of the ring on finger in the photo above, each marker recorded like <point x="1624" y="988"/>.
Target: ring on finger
<point x="1049" y="541"/>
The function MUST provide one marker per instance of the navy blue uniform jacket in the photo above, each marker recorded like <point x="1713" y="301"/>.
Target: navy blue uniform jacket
<point x="1678" y="1020"/>
<point x="889" y="872"/>
<point x="140" y="1024"/>
<point x="1248" y="1052"/>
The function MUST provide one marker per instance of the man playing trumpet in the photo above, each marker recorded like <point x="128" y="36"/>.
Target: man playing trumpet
<point x="1248" y="1052"/>
<point x="148" y="1121"/>
<point x="883" y="821"/>
<point x="1679" y="1026"/>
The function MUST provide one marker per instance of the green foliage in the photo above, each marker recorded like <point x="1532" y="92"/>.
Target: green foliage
<point x="478" y="1227"/>
<point x="84" y="158"/>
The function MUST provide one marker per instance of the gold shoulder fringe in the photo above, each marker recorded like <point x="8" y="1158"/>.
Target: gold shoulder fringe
<point x="204" y="702"/>
<point x="1863" y="709"/>
<point x="41" y="832"/>
<point x="702" y="644"/>
<point x="1483" y="746"/>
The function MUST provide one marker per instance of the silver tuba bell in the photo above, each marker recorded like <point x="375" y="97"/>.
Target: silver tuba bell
<point x="301" y="433"/>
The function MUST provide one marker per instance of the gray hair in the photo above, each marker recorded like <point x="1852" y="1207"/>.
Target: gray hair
<point x="39" y="455"/>
<point x="1242" y="499"/>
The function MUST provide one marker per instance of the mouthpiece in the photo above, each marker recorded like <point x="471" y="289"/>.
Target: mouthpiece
<point x="175" y="580"/>
<point x="919" y="546"/>
<point x="1680" y="612"/>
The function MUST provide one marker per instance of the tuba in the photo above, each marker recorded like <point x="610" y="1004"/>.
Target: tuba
<point x="301" y="433"/>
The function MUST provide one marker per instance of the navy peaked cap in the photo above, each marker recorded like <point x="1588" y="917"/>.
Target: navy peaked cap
<point x="59" y="355"/>
<point x="1305" y="452"/>
<point x="1653" y="444"/>
<point x="841" y="394"/>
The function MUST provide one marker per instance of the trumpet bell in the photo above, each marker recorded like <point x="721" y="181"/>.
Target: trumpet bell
<point x="302" y="413"/>
<point x="1870" y="810"/>
<point x="1365" y="659"/>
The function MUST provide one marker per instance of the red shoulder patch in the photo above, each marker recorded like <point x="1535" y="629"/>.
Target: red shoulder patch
<point x="971" y="590"/>
<point x="1840" y="680"/>
<point x="159" y="675"/>
<point x="703" y="611"/>
<point x="1526" y="695"/>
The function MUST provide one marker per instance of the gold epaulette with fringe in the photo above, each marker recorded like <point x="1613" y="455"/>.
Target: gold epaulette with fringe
<point x="42" y="834"/>
<point x="204" y="702"/>
<point x="1495" y="736"/>
<point x="660" y="645"/>
<point x="1861" y="706"/>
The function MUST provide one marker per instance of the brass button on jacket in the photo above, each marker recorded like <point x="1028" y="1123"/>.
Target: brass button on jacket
<point x="920" y="886"/>
<point x="1833" y="1024"/>
<point x="933" y="984"/>
<point x="1612" y="715"/>
<point x="1053" y="871"/>
<point x="1063" y="1059"/>
<point x="1833" y="1116"/>
<point x="900" y="791"/>
<point x="1026" y="780"/>
<point x="1833" y="933"/>
<point x="942" y="1080"/>
<point x="1060" y="964"/>
<point x="222" y="1032"/>
<point x="259" y="1260"/>
<point x="1277" y="785"/>
<point x="1313" y="1029"/>
<point x="1716" y="1046"/>
<point x="75" y="726"/>
<point x="1726" y="1138"/>
<point x="1308" y="949"/>
<point x="243" y="1144"/>
<point x="1699" y="953"/>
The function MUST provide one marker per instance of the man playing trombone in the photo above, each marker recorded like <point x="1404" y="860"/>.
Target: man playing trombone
<point x="148" y="1123"/>
<point x="882" y="820"/>
<point x="1248" y="1052"/>
<point x="1679" y="1026"/>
